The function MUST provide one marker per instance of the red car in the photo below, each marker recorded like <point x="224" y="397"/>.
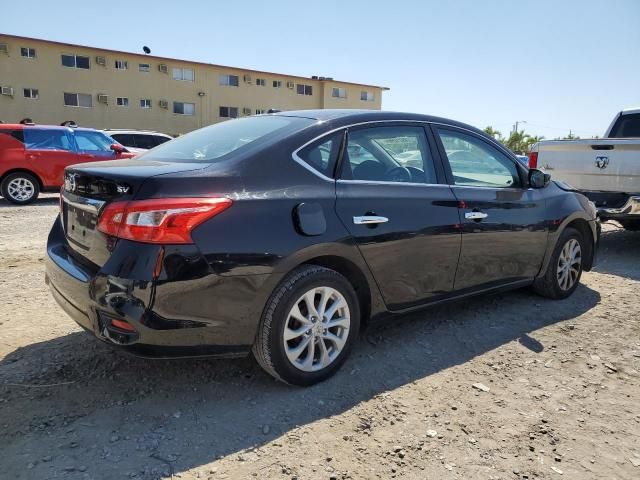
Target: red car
<point x="33" y="157"/>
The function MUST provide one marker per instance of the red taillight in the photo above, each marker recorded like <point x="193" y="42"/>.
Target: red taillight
<point x="162" y="220"/>
<point x="122" y="325"/>
<point x="533" y="159"/>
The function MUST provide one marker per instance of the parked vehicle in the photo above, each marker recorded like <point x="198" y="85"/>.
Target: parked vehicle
<point x="138" y="141"/>
<point x="606" y="170"/>
<point x="264" y="234"/>
<point x="33" y="157"/>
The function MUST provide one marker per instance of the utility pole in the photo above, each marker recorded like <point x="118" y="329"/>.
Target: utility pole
<point x="515" y="127"/>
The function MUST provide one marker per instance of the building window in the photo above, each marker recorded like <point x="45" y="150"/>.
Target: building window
<point x="28" y="52"/>
<point x="30" y="93"/>
<point x="78" y="100"/>
<point x="277" y="84"/>
<point x="339" y="92"/>
<point x="121" y="65"/>
<point x="184" y="108"/>
<point x="304" y="89"/>
<point x="229" y="112"/>
<point x="144" y="67"/>
<point x="366" y="96"/>
<point x="183" y="74"/>
<point x="261" y="82"/>
<point x="229" y="80"/>
<point x="260" y="111"/>
<point x="145" y="103"/>
<point x="75" y="61"/>
<point x="122" y="101"/>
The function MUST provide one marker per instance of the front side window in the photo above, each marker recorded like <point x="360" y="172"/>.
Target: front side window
<point x="121" y="64"/>
<point x="389" y="154"/>
<point x="93" y="142"/>
<point x="366" y="96"/>
<point x="125" y="139"/>
<point x="184" y="108"/>
<point x="228" y="112"/>
<point x="183" y="74"/>
<point x="475" y="163"/>
<point x="75" y="61"/>
<point x="78" y="100"/>
<point x="144" y="141"/>
<point x="28" y="52"/>
<point x="30" y="93"/>
<point x="339" y="92"/>
<point x="228" y="80"/>
<point x="122" y="101"/>
<point x="217" y="141"/>
<point x="321" y="155"/>
<point x="304" y="89"/>
<point x="47" y="139"/>
<point x="145" y="103"/>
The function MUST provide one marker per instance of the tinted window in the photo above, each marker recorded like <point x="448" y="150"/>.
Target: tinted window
<point x="46" y="139"/>
<point x="160" y="140"/>
<point x="475" y="163"/>
<point x="626" y="126"/>
<point x="322" y="154"/>
<point x="389" y="154"/>
<point x="125" y="139"/>
<point x="93" y="141"/>
<point x="216" y="141"/>
<point x="144" y="141"/>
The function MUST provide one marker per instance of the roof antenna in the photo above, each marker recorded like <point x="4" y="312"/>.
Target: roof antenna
<point x="146" y="50"/>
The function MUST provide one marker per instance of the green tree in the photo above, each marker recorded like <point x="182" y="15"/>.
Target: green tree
<point x="521" y="142"/>
<point x="494" y="133"/>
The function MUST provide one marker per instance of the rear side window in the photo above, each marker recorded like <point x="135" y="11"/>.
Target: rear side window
<point x="475" y="163"/>
<point x="215" y="142"/>
<point x="627" y="126"/>
<point x="321" y="155"/>
<point x="47" y="139"/>
<point x="144" y="141"/>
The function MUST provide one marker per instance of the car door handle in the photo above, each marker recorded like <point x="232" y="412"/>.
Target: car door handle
<point x="369" y="220"/>
<point x="475" y="215"/>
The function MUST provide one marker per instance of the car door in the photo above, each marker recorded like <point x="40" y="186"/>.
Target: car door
<point x="504" y="232"/>
<point x="48" y="151"/>
<point x="392" y="198"/>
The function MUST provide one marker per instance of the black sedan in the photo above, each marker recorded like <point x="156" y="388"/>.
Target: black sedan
<point x="283" y="234"/>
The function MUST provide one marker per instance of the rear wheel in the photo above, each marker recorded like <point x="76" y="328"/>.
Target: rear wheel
<point x="308" y="327"/>
<point x="565" y="267"/>
<point x="20" y="188"/>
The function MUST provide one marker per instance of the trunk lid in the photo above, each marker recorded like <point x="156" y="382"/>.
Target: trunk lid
<point x="89" y="187"/>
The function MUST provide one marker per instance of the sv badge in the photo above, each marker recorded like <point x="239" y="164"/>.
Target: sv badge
<point x="602" y="162"/>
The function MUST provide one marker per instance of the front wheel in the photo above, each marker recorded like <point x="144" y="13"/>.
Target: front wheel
<point x="20" y="188"/>
<point x="308" y="326"/>
<point x="565" y="267"/>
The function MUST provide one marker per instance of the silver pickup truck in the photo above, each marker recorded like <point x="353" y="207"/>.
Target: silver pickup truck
<point x="606" y="170"/>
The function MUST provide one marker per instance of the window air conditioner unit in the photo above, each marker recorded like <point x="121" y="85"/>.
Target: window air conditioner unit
<point x="102" y="98"/>
<point x="4" y="48"/>
<point x="101" y="61"/>
<point x="290" y="85"/>
<point x="163" y="103"/>
<point x="246" y="111"/>
<point x="8" y="91"/>
<point x="163" y="68"/>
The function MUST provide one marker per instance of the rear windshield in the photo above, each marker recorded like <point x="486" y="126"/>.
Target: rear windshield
<point x="627" y="126"/>
<point x="212" y="143"/>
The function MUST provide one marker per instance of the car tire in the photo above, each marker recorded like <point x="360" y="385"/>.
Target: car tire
<point x="287" y="323"/>
<point x="20" y="188"/>
<point x="565" y="267"/>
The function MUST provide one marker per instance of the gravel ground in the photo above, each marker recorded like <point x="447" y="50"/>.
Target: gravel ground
<point x="506" y="386"/>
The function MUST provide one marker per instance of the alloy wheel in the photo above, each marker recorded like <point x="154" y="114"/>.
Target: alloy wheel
<point x="569" y="264"/>
<point x="316" y="329"/>
<point x="21" y="189"/>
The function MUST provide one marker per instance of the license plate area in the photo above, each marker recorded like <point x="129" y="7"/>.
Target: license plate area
<point x="80" y="226"/>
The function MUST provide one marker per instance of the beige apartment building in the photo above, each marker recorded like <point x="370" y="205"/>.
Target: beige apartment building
<point x="52" y="82"/>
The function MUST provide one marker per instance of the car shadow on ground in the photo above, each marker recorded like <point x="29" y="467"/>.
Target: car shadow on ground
<point x="619" y="252"/>
<point x="47" y="199"/>
<point x="121" y="414"/>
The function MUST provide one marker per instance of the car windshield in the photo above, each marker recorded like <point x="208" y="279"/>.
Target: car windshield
<point x="216" y="141"/>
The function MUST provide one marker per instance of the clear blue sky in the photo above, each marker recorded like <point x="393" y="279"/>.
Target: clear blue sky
<point x="556" y="64"/>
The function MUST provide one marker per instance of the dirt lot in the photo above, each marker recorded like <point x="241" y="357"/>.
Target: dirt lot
<point x="559" y="394"/>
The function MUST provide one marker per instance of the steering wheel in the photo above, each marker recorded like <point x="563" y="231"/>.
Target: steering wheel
<point x="398" y="174"/>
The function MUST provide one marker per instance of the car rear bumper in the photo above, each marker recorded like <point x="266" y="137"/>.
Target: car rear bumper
<point x="630" y="210"/>
<point x="207" y="315"/>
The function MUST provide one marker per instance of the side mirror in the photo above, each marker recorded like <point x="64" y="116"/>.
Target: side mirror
<point x="117" y="148"/>
<point x="538" y="179"/>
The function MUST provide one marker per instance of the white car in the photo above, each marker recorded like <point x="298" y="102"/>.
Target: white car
<point x="138" y="141"/>
<point x="606" y="170"/>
